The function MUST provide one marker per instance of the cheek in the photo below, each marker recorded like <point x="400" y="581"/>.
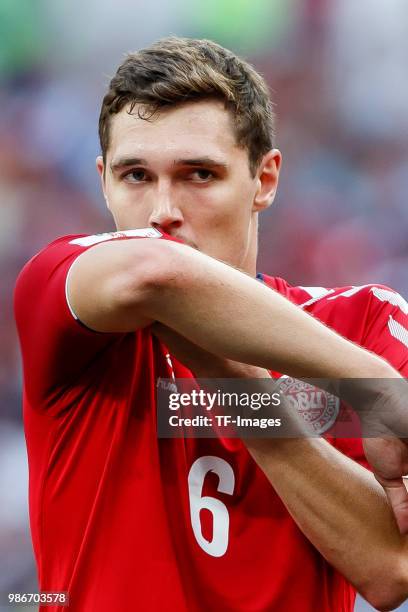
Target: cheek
<point x="127" y="210"/>
<point x="221" y="203"/>
<point x="125" y="196"/>
<point x="228" y="232"/>
<point x="225" y="223"/>
<point x="120" y="194"/>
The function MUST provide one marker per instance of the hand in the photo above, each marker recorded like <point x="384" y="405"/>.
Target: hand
<point x="384" y="420"/>
<point x="388" y="458"/>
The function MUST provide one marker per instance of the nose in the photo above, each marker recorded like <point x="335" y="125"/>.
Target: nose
<point x="165" y="215"/>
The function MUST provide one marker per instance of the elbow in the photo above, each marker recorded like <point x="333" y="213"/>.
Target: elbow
<point x="154" y="268"/>
<point x="389" y="590"/>
<point x="385" y="603"/>
<point x="385" y="606"/>
<point x="165" y="265"/>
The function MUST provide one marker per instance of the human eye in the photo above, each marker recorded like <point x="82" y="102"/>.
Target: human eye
<point x="137" y="175"/>
<point x="202" y="175"/>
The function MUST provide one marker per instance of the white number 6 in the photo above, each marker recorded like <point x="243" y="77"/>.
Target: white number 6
<point x="200" y="468"/>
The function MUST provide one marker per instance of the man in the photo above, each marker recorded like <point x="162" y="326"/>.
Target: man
<point x="122" y="520"/>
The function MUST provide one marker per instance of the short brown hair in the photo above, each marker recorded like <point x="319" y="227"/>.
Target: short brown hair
<point x="175" y="70"/>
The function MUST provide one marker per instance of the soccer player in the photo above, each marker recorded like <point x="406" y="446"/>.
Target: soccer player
<point x="125" y="521"/>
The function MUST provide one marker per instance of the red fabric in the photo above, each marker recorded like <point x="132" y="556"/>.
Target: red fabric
<point x="110" y="503"/>
<point x="361" y="314"/>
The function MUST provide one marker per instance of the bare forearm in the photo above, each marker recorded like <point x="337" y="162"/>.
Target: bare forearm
<point x="124" y="286"/>
<point x="341" y="508"/>
<point x="230" y="314"/>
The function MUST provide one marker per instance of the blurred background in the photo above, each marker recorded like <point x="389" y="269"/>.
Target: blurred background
<point x="338" y="74"/>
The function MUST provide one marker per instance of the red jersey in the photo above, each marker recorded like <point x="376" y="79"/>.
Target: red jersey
<point x="128" y="522"/>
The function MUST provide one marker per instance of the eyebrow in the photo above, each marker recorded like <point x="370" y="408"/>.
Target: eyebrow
<point x="201" y="161"/>
<point x="123" y="162"/>
<point x="209" y="162"/>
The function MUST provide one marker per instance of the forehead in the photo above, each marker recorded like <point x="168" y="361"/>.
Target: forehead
<point x="192" y="129"/>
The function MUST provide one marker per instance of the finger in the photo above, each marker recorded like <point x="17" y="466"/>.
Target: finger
<point x="398" y="498"/>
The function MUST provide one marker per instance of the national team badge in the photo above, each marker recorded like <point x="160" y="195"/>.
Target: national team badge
<point x="317" y="407"/>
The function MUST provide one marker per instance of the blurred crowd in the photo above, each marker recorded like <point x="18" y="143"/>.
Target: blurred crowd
<point x="337" y="72"/>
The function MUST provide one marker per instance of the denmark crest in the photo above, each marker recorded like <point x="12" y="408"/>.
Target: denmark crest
<point x="317" y="407"/>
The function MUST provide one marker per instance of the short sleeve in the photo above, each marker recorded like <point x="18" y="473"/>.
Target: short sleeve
<point x="387" y="327"/>
<point x="57" y="348"/>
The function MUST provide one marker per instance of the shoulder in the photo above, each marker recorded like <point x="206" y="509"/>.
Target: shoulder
<point x="61" y="253"/>
<point x="365" y="300"/>
<point x="374" y="295"/>
<point x="356" y="312"/>
<point x="56" y="250"/>
<point x="76" y="243"/>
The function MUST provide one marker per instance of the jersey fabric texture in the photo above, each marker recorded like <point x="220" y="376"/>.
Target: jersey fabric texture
<point x="126" y="522"/>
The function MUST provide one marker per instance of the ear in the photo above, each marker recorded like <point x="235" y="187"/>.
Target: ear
<point x="100" y="167"/>
<point x="267" y="181"/>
